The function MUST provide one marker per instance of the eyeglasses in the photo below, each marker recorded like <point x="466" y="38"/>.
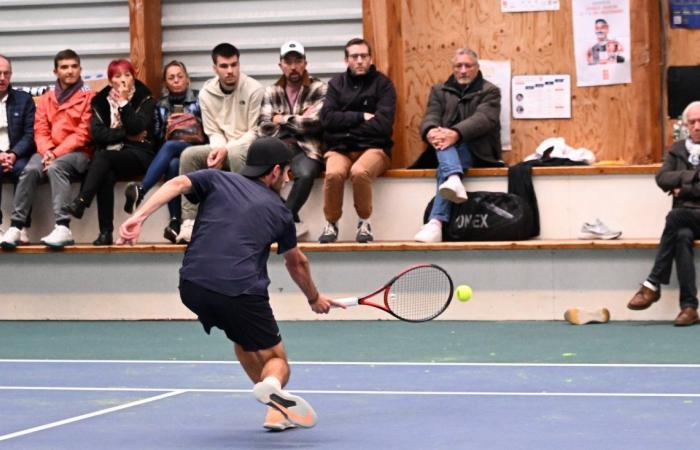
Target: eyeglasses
<point x="358" y="56"/>
<point x="464" y="66"/>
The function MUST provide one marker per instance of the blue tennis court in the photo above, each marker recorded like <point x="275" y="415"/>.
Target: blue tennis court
<point x="89" y="404"/>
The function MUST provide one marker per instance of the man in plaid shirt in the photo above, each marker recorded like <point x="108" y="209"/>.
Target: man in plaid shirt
<point x="291" y="111"/>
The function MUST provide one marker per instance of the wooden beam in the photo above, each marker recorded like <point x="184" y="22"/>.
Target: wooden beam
<point x="146" y="42"/>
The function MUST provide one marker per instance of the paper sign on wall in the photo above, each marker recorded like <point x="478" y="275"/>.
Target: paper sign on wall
<point x="529" y="5"/>
<point x="541" y="97"/>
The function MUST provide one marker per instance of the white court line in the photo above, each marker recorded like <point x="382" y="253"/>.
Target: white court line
<point x="362" y="392"/>
<point x="348" y="363"/>
<point x="89" y="415"/>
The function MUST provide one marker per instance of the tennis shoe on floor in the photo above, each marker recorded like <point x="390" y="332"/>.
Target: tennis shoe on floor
<point x="453" y="190"/>
<point x="275" y="421"/>
<point x="59" y="237"/>
<point x="185" y="235"/>
<point x="11" y="238"/>
<point x="364" y="232"/>
<point x="579" y="316"/>
<point x="329" y="234"/>
<point x="294" y="408"/>
<point x="23" y="236"/>
<point x="598" y="230"/>
<point x="430" y="232"/>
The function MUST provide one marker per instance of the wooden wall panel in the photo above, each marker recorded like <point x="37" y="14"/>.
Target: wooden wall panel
<point x="146" y="42"/>
<point x="618" y="122"/>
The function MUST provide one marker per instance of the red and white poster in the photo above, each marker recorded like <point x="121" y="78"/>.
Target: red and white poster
<point x="602" y="42"/>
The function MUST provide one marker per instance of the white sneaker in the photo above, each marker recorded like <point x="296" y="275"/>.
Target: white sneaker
<point x="598" y="230"/>
<point x="11" y="238"/>
<point x="453" y="190"/>
<point x="301" y="228"/>
<point x="185" y="235"/>
<point x="294" y="408"/>
<point x="430" y="232"/>
<point x="59" y="237"/>
<point x="23" y="236"/>
<point x="578" y="316"/>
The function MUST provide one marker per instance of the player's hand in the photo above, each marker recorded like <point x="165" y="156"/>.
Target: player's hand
<point x="323" y="304"/>
<point x="130" y="230"/>
<point x="215" y="159"/>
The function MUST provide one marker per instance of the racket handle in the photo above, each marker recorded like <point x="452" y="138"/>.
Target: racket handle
<point x="348" y="301"/>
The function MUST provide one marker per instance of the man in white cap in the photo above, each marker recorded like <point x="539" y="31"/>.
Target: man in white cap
<point x="291" y="111"/>
<point x="224" y="279"/>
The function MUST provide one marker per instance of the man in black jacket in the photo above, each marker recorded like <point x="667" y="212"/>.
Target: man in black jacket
<point x="462" y="127"/>
<point x="357" y="119"/>
<point x="679" y="177"/>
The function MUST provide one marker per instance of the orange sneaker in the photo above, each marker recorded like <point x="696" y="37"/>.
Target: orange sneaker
<point x="294" y="408"/>
<point x="578" y="316"/>
<point x="275" y="421"/>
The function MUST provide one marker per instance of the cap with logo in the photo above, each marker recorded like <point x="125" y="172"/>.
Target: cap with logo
<point x="291" y="46"/>
<point x="264" y="153"/>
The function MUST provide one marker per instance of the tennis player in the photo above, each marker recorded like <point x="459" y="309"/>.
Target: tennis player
<point x="224" y="278"/>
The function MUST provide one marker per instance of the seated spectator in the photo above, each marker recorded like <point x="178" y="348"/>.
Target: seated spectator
<point x="178" y="124"/>
<point x="357" y="119"/>
<point x="291" y="111"/>
<point x="462" y="126"/>
<point x="62" y="137"/>
<point x="122" y="130"/>
<point x="16" y="132"/>
<point x="230" y="110"/>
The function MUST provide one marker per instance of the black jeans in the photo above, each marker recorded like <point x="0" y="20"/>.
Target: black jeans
<point x="106" y="168"/>
<point x="305" y="171"/>
<point x="682" y="228"/>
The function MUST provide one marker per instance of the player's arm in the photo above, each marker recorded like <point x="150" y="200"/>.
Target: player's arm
<point x="298" y="267"/>
<point x="131" y="228"/>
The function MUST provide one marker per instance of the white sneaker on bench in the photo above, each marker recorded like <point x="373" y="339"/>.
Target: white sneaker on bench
<point x="453" y="190"/>
<point x="185" y="235"/>
<point x="430" y="232"/>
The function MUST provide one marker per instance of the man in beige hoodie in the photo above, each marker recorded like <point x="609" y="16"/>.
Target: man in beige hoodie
<point x="230" y="104"/>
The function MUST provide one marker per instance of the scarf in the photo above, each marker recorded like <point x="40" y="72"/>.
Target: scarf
<point x="693" y="152"/>
<point x="115" y="117"/>
<point x="64" y="94"/>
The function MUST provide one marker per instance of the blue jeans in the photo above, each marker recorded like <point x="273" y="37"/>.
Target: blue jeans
<point x="452" y="160"/>
<point x="166" y="162"/>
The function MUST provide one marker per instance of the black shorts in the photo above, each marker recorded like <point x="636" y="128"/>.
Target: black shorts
<point x="246" y="319"/>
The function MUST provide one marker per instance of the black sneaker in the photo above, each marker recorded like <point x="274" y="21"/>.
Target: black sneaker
<point x="76" y="208"/>
<point x="134" y="196"/>
<point x="172" y="230"/>
<point x="330" y="233"/>
<point x="364" y="232"/>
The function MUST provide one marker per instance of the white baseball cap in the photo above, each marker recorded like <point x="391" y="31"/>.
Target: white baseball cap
<point x="292" y="46"/>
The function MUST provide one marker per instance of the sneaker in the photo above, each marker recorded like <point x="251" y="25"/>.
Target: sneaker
<point x="330" y="233"/>
<point x="11" y="238"/>
<point x="453" y="190"/>
<point x="275" y="421"/>
<point x="301" y="228"/>
<point x="23" y="236"/>
<point x="430" y="232"/>
<point x="172" y="230"/>
<point x="76" y="208"/>
<point x="364" y="232"/>
<point x="578" y="316"/>
<point x="294" y="408"/>
<point x="185" y="235"/>
<point x="597" y="230"/>
<point x="59" y="237"/>
<point x="134" y="196"/>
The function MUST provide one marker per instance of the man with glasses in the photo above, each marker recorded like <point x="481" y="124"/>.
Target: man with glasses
<point x="462" y="126"/>
<point x="357" y="119"/>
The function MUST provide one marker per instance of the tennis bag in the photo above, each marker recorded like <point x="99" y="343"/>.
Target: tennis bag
<point x="489" y="216"/>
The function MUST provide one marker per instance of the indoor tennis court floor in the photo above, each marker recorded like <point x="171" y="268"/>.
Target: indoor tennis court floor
<point x="443" y="385"/>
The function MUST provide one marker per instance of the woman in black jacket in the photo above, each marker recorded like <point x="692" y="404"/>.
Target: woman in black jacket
<point x="122" y="130"/>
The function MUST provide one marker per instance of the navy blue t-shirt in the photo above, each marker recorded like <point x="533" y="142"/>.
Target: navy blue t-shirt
<point x="238" y="220"/>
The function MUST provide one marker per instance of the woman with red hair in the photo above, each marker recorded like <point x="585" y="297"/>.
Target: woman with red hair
<point x="122" y="130"/>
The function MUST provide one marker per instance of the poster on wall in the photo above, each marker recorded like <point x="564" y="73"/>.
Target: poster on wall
<point x="541" y="97"/>
<point x="684" y="13"/>
<point x="529" y="5"/>
<point x="498" y="73"/>
<point x="602" y="42"/>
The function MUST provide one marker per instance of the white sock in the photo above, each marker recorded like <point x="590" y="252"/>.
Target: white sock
<point x="650" y="285"/>
<point x="273" y="381"/>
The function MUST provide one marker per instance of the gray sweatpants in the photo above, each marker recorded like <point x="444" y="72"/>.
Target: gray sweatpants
<point x="59" y="173"/>
<point x="195" y="158"/>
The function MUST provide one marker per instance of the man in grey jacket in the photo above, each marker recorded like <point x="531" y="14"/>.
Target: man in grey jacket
<point x="679" y="177"/>
<point x="462" y="126"/>
<point x="230" y="104"/>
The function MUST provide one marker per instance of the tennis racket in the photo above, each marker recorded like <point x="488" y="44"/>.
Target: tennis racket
<point x="417" y="294"/>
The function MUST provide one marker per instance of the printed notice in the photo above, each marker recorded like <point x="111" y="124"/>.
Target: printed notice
<point x="529" y="5"/>
<point x="541" y="97"/>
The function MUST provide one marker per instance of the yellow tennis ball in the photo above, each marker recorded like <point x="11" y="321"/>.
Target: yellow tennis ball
<point x="464" y="292"/>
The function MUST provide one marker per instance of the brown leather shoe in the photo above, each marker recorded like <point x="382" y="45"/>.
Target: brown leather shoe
<point x="688" y="316"/>
<point x="644" y="298"/>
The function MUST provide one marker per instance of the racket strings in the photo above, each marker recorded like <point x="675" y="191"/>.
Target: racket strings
<point x="420" y="294"/>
